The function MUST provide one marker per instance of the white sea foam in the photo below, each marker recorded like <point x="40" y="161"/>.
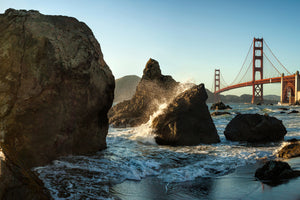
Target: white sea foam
<point x="145" y="133"/>
<point x="128" y="158"/>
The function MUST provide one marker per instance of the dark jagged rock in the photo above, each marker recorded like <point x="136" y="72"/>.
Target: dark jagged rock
<point x="293" y="140"/>
<point x="293" y="111"/>
<point x="152" y="90"/>
<point x="220" y="106"/>
<point x="216" y="113"/>
<point x="281" y="112"/>
<point x="186" y="120"/>
<point x="55" y="87"/>
<point x="283" y="108"/>
<point x="290" y="150"/>
<point x="255" y="128"/>
<point x="17" y="182"/>
<point x="275" y="172"/>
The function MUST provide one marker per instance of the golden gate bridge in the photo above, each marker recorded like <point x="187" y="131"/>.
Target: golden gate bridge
<point x="259" y="69"/>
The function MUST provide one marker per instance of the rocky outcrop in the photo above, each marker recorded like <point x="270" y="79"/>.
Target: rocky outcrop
<point x="186" y="120"/>
<point x="219" y="106"/>
<point x="153" y="89"/>
<point x="275" y="172"/>
<point x="255" y="128"/>
<point x="55" y="87"/>
<point x="290" y="150"/>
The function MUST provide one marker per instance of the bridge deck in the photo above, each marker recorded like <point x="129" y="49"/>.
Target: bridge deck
<point x="261" y="81"/>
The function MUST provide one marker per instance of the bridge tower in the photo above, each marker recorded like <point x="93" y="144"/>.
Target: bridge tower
<point x="257" y="89"/>
<point x="217" y="85"/>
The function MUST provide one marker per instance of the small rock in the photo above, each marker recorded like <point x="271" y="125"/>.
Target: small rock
<point x="293" y="111"/>
<point x="290" y="150"/>
<point x="216" y="113"/>
<point x="275" y="172"/>
<point x="220" y="106"/>
<point x="283" y="108"/>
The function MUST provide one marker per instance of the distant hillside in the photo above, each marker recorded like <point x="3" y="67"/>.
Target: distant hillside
<point x="245" y="98"/>
<point x="125" y="87"/>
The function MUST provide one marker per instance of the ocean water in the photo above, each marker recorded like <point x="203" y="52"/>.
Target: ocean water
<point x="132" y="155"/>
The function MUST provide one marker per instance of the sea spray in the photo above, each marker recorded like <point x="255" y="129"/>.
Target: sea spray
<point x="144" y="133"/>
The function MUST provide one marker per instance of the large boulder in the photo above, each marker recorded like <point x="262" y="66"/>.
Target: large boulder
<point x="17" y="182"/>
<point x="152" y="90"/>
<point x="290" y="150"/>
<point x="55" y="87"/>
<point x="186" y="120"/>
<point x="276" y="172"/>
<point x="255" y="128"/>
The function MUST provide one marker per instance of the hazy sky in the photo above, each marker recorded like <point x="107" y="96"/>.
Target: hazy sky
<point x="188" y="38"/>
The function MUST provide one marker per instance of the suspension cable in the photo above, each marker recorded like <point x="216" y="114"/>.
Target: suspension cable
<point x="223" y="80"/>
<point x="247" y="70"/>
<point x="272" y="64"/>
<point x="276" y="57"/>
<point x="242" y="64"/>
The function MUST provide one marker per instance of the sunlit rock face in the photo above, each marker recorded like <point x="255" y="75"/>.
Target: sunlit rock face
<point x="55" y="87"/>
<point x="152" y="90"/>
<point x="186" y="120"/>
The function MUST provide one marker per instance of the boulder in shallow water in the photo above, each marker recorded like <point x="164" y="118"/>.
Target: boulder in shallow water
<point x="186" y="120"/>
<point x="219" y="106"/>
<point x="293" y="111"/>
<point x="275" y="172"/>
<point x="55" y="87"/>
<point x="290" y="150"/>
<point x="255" y="128"/>
<point x="152" y="90"/>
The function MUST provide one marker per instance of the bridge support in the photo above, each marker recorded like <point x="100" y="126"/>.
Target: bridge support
<point x="297" y="87"/>
<point x="290" y="89"/>
<point x="217" y="85"/>
<point x="257" y="89"/>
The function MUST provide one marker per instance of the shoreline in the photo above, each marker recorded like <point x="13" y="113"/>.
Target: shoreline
<point x="240" y="184"/>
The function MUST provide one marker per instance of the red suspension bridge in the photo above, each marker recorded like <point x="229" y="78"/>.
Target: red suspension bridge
<point x="266" y="69"/>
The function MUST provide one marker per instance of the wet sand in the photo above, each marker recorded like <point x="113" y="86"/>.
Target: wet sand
<point x="240" y="184"/>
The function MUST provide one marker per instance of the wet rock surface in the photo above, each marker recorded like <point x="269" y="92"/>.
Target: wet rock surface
<point x="290" y="150"/>
<point x="152" y="90"/>
<point x="55" y="87"/>
<point x="276" y="172"/>
<point x="293" y="111"/>
<point x="255" y="128"/>
<point x="186" y="120"/>
<point x="219" y="106"/>
<point x="216" y="113"/>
